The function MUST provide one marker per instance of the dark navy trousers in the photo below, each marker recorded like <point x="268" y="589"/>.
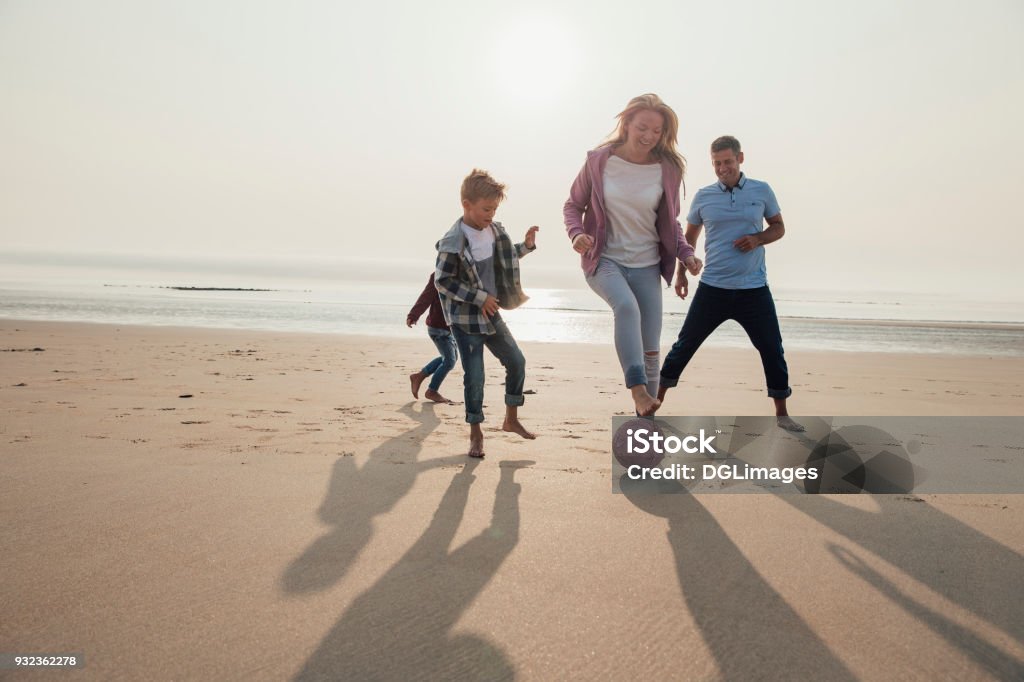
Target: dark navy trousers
<point x="754" y="310"/>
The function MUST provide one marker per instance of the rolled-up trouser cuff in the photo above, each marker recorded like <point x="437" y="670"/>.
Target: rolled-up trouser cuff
<point x="474" y="417"/>
<point x="636" y="374"/>
<point x="514" y="400"/>
<point x="780" y="392"/>
<point x="669" y="383"/>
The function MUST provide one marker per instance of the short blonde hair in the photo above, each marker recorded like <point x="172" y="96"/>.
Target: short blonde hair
<point x="666" y="147"/>
<point x="480" y="185"/>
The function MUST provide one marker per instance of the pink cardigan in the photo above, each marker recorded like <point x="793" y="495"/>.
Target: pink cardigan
<point x="584" y="214"/>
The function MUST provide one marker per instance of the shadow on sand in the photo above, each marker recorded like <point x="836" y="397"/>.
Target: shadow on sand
<point x="400" y="627"/>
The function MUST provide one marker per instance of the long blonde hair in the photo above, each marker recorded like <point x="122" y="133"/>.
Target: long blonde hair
<point x="666" y="147"/>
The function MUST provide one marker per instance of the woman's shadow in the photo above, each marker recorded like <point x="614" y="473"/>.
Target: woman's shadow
<point x="355" y="495"/>
<point x="400" y="627"/>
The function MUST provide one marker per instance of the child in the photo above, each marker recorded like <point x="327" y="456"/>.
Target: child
<point x="478" y="272"/>
<point x="437" y="330"/>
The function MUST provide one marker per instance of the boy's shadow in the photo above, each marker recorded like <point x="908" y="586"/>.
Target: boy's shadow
<point x="355" y="495"/>
<point x="399" y="628"/>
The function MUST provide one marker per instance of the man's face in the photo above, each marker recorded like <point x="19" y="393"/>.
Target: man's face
<point x="727" y="166"/>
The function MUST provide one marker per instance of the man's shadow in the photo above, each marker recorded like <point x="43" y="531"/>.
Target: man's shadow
<point x="750" y="629"/>
<point x="400" y="627"/>
<point x="355" y="495"/>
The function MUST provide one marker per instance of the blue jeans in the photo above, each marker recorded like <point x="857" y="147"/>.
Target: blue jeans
<point x="502" y="346"/>
<point x="754" y="309"/>
<point x="439" y="367"/>
<point x="634" y="295"/>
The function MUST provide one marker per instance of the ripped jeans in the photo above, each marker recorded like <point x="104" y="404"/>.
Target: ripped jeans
<point x="634" y="295"/>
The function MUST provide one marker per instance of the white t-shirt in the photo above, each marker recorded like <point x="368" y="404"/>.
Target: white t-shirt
<point x="631" y="195"/>
<point x="481" y="242"/>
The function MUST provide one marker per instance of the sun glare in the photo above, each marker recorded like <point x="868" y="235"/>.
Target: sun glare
<point x="536" y="58"/>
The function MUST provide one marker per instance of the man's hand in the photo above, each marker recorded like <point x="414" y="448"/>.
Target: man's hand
<point x="748" y="243"/>
<point x="682" y="286"/>
<point x="409" y="322"/>
<point x="490" y="306"/>
<point x="694" y="265"/>
<point x="582" y="243"/>
<point x="531" y="237"/>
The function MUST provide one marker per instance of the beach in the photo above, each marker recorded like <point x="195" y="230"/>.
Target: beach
<point x="183" y="503"/>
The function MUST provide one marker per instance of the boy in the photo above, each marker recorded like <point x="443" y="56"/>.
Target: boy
<point x="439" y="333"/>
<point x="477" y="273"/>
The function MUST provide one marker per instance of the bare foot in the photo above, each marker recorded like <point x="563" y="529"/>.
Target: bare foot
<point x="515" y="426"/>
<point x="416" y="378"/>
<point x="431" y="394"/>
<point x="476" y="441"/>
<point x="645" y="404"/>
<point x="785" y="422"/>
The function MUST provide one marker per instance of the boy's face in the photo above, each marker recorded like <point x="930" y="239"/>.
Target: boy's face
<point x="479" y="213"/>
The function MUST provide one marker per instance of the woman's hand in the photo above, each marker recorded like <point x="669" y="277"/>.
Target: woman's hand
<point x="582" y="243"/>
<point x="694" y="265"/>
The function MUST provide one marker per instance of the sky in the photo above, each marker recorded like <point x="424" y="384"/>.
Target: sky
<point x="338" y="134"/>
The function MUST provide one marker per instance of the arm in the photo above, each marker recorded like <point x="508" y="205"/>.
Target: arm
<point x="574" y="208"/>
<point x="773" y="233"/>
<point x="529" y="243"/>
<point x="422" y="303"/>
<point x="446" y="279"/>
<point x="682" y="286"/>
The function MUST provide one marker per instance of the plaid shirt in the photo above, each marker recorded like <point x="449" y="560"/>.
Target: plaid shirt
<point x="458" y="282"/>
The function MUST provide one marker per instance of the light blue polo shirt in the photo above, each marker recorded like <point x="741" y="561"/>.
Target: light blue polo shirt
<point x="728" y="215"/>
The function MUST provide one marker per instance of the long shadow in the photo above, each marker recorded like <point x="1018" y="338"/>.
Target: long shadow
<point x="963" y="565"/>
<point x="355" y="495"/>
<point x="947" y="555"/>
<point x="999" y="664"/>
<point x="400" y="627"/>
<point x="747" y="625"/>
<point x="966" y="567"/>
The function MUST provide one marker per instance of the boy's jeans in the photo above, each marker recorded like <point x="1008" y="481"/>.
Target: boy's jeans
<point x="754" y="309"/>
<point x="439" y="367"/>
<point x="503" y="346"/>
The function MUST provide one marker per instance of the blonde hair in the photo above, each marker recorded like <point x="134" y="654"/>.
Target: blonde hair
<point x="480" y="185"/>
<point x="666" y="147"/>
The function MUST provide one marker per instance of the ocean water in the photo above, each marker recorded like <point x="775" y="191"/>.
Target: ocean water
<point x="810" y="320"/>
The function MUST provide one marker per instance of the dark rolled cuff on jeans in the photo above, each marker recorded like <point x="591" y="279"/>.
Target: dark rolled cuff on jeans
<point x="782" y="393"/>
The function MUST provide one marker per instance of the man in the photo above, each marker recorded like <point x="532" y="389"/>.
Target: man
<point x="735" y="283"/>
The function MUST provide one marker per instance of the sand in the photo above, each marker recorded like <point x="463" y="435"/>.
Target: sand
<point x="301" y="516"/>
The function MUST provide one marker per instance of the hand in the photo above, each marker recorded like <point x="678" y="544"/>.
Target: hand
<point x="694" y="265"/>
<point x="748" y="243"/>
<point x="582" y="243"/>
<point x="490" y="306"/>
<point x="531" y="237"/>
<point x="682" y="286"/>
<point x="409" y="322"/>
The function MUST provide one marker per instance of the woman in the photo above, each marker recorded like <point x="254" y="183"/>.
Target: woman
<point x="623" y="219"/>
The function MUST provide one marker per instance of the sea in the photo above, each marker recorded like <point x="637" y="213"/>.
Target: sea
<point x="357" y="300"/>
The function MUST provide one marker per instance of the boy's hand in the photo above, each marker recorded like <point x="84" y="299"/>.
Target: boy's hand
<point x="490" y="306"/>
<point x="409" y="322"/>
<point x="531" y="237"/>
<point x="694" y="265"/>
